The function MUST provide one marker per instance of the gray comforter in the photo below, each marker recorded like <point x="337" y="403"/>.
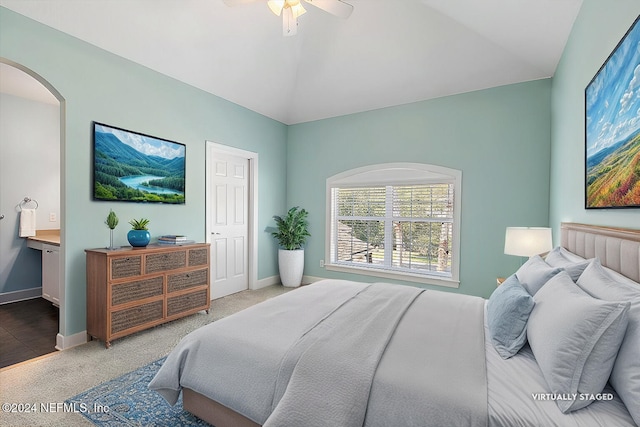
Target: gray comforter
<point x="341" y="353"/>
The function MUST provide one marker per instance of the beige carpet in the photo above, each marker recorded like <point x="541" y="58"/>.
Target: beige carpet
<point x="48" y="381"/>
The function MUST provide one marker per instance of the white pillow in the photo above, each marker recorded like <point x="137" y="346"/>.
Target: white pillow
<point x="570" y="256"/>
<point x="575" y="339"/>
<point x="558" y="257"/>
<point x="534" y="273"/>
<point x="604" y="284"/>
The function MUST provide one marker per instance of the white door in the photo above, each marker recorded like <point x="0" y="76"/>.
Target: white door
<point x="229" y="223"/>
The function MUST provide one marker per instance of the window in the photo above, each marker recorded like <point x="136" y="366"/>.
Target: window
<point x="395" y="220"/>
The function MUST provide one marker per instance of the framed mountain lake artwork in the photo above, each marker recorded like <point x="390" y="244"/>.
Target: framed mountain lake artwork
<point x="612" y="128"/>
<point x="133" y="167"/>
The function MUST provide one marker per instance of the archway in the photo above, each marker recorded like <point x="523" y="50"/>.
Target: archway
<point x="22" y="83"/>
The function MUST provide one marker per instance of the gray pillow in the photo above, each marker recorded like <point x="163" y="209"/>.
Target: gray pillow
<point x="557" y="258"/>
<point x="534" y="273"/>
<point x="575" y="338"/>
<point x="602" y="283"/>
<point x="508" y="311"/>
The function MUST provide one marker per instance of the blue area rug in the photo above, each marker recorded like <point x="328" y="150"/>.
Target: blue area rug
<point x="126" y="401"/>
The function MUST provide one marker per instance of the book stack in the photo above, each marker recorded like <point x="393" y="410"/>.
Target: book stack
<point x="174" y="239"/>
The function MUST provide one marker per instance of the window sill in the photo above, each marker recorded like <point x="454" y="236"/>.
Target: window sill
<point x="386" y="274"/>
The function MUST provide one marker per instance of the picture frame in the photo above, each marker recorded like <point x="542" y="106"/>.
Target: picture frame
<point x="612" y="128"/>
<point x="130" y="166"/>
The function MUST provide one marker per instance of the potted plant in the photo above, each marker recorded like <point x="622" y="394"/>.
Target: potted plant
<point x="292" y="232"/>
<point x="112" y="222"/>
<point x="139" y="235"/>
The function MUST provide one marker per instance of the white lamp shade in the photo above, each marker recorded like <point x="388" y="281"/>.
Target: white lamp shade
<point x="527" y="241"/>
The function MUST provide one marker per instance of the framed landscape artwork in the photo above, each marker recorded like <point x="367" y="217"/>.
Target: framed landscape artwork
<point x="612" y="128"/>
<point x="133" y="167"/>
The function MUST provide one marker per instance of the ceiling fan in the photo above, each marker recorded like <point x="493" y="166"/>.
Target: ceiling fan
<point x="291" y="9"/>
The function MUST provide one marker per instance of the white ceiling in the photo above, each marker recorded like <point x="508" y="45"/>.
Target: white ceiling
<point x="388" y="52"/>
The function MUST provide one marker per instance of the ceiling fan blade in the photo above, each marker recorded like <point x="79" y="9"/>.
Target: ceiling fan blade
<point x="232" y="3"/>
<point x="334" y="7"/>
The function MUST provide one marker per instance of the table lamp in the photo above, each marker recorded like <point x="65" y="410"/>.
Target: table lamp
<point x="527" y="241"/>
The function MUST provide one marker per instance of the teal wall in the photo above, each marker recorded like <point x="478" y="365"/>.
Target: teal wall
<point x="599" y="27"/>
<point x="100" y="86"/>
<point x="499" y="138"/>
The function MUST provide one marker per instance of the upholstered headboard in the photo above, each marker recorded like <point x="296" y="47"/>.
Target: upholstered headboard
<point x="617" y="248"/>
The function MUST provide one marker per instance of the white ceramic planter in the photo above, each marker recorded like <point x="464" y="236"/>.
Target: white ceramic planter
<point x="291" y="265"/>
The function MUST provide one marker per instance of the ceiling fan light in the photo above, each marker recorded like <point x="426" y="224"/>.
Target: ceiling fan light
<point x="276" y="6"/>
<point x="297" y="9"/>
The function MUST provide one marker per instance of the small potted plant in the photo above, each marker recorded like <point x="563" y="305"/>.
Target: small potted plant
<point x="139" y="235"/>
<point x="292" y="232"/>
<point x="112" y="222"/>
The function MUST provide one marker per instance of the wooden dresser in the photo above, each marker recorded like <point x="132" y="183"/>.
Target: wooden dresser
<point x="129" y="289"/>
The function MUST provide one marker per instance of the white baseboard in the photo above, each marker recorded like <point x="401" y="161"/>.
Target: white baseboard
<point x="267" y="281"/>
<point x="311" y="279"/>
<point x="15" y="296"/>
<point x="66" y="342"/>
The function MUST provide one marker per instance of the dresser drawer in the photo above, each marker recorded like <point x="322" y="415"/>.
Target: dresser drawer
<point x="165" y="261"/>
<point x="132" y="289"/>
<point x="189" y="279"/>
<point x="137" y="290"/>
<point x="187" y="302"/>
<point x="126" y="267"/>
<point x="131" y="317"/>
<point x="198" y="257"/>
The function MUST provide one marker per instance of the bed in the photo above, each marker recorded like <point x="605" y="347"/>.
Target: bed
<point x="557" y="344"/>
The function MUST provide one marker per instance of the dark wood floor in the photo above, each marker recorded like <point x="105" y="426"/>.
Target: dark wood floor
<point x="27" y="329"/>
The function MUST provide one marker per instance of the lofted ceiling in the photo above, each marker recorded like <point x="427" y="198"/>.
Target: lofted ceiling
<point x="388" y="52"/>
